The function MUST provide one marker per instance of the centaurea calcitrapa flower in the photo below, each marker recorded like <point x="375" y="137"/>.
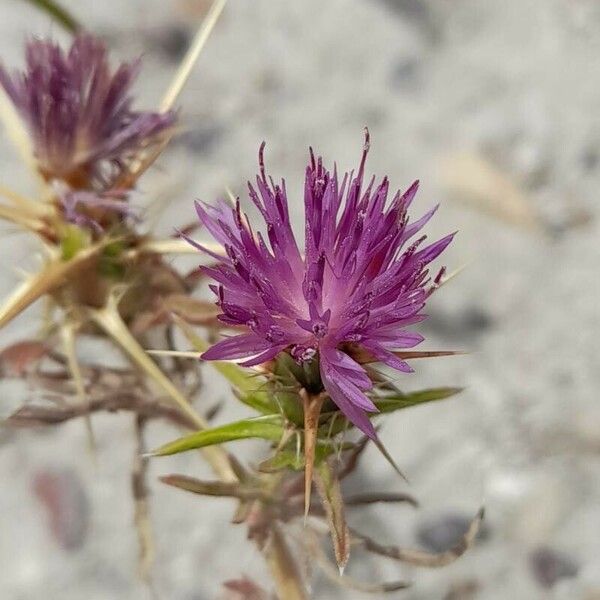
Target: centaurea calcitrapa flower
<point x="361" y="282"/>
<point x="78" y="111"/>
<point x="95" y="210"/>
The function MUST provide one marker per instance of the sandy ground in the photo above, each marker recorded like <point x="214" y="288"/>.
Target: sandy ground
<point x="495" y="103"/>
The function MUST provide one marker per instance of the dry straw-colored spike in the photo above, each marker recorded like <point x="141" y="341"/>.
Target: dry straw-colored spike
<point x="22" y="218"/>
<point x="176" y="246"/>
<point x="142" y="521"/>
<point x="17" y="134"/>
<point x="68" y="332"/>
<point x="146" y="160"/>
<point x="53" y="275"/>
<point x="33" y="207"/>
<point x="312" y="409"/>
<point x="192" y="55"/>
<point x="176" y="353"/>
<point x="109" y="320"/>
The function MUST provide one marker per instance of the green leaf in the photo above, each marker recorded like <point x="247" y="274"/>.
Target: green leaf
<point x="287" y="369"/>
<point x="290" y="404"/>
<point x="385" y="404"/>
<point x="224" y="489"/>
<point x="59" y="13"/>
<point x="283" y="459"/>
<point x="270" y="427"/>
<point x="332" y="422"/>
<point x="290" y="458"/>
<point x="259" y="400"/>
<point x="239" y="378"/>
<point x="399" y="400"/>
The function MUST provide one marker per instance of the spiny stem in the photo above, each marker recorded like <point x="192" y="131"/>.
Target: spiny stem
<point x="140" y="497"/>
<point x="68" y="336"/>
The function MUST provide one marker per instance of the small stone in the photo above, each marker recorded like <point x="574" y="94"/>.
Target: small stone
<point x="202" y="137"/>
<point x="469" y="323"/>
<point x="62" y="495"/>
<point x="405" y="73"/>
<point x="174" y="41"/>
<point x="590" y="158"/>
<point x="416" y="12"/>
<point x="550" y="566"/>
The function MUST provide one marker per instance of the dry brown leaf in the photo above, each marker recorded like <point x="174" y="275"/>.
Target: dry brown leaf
<point x="17" y="358"/>
<point x="330" y="493"/>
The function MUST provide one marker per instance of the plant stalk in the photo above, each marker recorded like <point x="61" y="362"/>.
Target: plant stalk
<point x="284" y="569"/>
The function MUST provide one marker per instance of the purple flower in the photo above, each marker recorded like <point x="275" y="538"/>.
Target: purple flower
<point x="93" y="210"/>
<point x="79" y="112"/>
<point x="360" y="283"/>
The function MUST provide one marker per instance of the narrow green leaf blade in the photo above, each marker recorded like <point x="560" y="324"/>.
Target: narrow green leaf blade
<point x="237" y="377"/>
<point x="399" y="401"/>
<point x="259" y="400"/>
<point x="269" y="427"/>
<point x="290" y="458"/>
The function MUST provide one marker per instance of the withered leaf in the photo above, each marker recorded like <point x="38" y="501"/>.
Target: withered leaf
<point x="330" y="493"/>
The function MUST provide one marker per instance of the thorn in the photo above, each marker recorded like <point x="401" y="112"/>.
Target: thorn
<point x="389" y="458"/>
<point x="453" y="274"/>
<point x="189" y="60"/>
<point x="312" y="410"/>
<point x="230" y="196"/>
<point x="68" y="333"/>
<point x="180" y="354"/>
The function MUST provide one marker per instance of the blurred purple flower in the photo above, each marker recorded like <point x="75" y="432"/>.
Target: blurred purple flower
<point x="359" y="282"/>
<point x="88" y="209"/>
<point x="79" y="112"/>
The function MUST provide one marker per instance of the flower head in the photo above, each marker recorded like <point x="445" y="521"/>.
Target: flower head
<point x="79" y="112"/>
<point x="94" y="210"/>
<point x="360" y="283"/>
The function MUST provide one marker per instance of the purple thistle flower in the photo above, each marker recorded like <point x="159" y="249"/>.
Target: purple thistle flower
<point x="360" y="282"/>
<point x="79" y="112"/>
<point x="91" y="209"/>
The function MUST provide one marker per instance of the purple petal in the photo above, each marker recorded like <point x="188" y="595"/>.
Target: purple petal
<point x="386" y="357"/>
<point x="346" y="395"/>
<point x="360" y="279"/>
<point x="239" y="346"/>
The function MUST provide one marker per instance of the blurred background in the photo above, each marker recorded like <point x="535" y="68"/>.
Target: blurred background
<point x="493" y="105"/>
